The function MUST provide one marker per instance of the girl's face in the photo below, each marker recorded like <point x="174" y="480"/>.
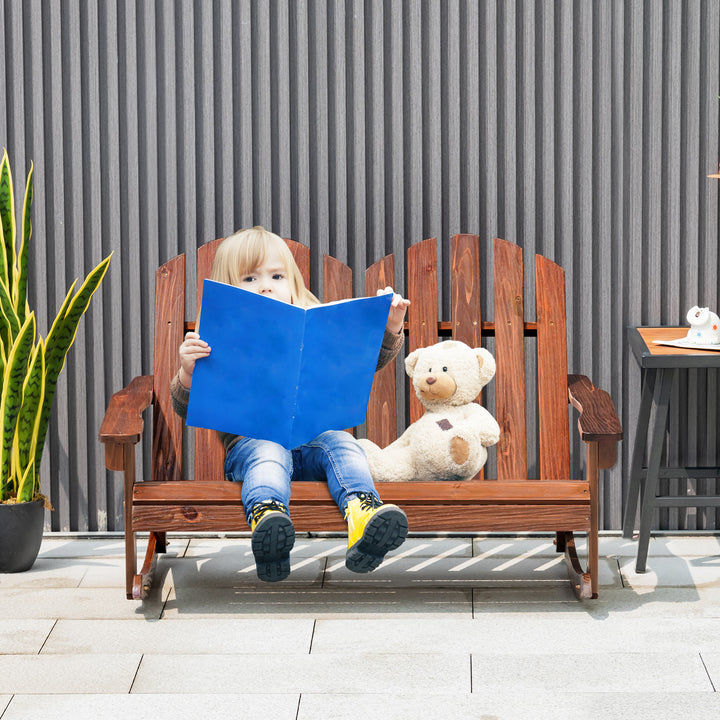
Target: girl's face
<point x="270" y="279"/>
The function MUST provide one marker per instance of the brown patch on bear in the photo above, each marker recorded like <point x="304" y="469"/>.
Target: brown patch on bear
<point x="459" y="450"/>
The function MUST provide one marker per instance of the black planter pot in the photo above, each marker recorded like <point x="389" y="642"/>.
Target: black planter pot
<point x="21" y="533"/>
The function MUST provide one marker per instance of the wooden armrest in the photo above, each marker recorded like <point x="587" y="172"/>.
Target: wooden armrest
<point x="598" y="418"/>
<point x="123" y="422"/>
<point x="598" y="421"/>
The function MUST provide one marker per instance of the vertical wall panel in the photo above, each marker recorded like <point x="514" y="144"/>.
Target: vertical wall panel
<point x="581" y="130"/>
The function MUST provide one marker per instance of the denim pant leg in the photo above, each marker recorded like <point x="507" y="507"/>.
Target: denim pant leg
<point x="263" y="467"/>
<point x="337" y="457"/>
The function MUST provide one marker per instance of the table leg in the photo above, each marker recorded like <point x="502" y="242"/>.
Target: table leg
<point x="636" y="465"/>
<point x="661" y="400"/>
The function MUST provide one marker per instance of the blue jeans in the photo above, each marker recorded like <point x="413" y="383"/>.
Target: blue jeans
<point x="266" y="468"/>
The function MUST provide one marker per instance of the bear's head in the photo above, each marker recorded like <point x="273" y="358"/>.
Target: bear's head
<point x="449" y="373"/>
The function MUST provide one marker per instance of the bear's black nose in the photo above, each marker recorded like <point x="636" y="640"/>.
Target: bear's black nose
<point x="430" y="379"/>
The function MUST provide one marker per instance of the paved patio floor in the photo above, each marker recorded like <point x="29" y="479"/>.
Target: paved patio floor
<point x="449" y="627"/>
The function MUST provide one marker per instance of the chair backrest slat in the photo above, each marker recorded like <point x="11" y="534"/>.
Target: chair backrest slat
<point x="301" y="254"/>
<point x="169" y="330"/>
<point x="337" y="280"/>
<point x="465" y="303"/>
<point x="465" y="289"/>
<point x="381" y="421"/>
<point x="509" y="360"/>
<point x="209" y="452"/>
<point x="553" y="428"/>
<point x="423" y="310"/>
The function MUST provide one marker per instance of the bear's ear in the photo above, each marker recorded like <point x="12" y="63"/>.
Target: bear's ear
<point x="487" y="364"/>
<point x="411" y="362"/>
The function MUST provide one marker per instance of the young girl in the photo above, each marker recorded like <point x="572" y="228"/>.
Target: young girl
<point x="260" y="261"/>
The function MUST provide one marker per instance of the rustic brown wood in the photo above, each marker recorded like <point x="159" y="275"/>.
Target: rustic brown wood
<point x="465" y="303"/>
<point x="444" y="327"/>
<point x="465" y="294"/>
<point x="381" y="421"/>
<point x="511" y="503"/>
<point x="510" y="360"/>
<point x="123" y="421"/>
<point x="597" y="419"/>
<point x="130" y="542"/>
<point x="143" y="580"/>
<point x="423" y="312"/>
<point x="337" y="280"/>
<point x="528" y="492"/>
<point x="169" y="326"/>
<point x="580" y="580"/>
<point x="301" y="254"/>
<point x="553" y="431"/>
<point x="209" y="452"/>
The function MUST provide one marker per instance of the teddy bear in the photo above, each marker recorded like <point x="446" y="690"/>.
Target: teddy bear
<point x="449" y="441"/>
<point x="704" y="326"/>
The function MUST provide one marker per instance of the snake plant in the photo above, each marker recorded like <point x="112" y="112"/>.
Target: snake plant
<point x="29" y="365"/>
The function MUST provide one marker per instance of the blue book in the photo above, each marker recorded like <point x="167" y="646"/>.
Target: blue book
<point x="281" y="372"/>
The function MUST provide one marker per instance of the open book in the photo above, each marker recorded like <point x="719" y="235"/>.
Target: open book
<point x="284" y="373"/>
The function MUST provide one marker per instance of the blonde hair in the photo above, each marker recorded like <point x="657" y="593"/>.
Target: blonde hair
<point x="241" y="253"/>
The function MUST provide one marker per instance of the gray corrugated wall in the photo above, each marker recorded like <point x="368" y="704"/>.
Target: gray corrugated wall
<point x="581" y="130"/>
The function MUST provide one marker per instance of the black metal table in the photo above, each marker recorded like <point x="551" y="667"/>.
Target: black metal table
<point x="659" y="364"/>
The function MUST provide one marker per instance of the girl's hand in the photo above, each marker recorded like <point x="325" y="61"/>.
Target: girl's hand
<point x="192" y="349"/>
<point x="398" y="307"/>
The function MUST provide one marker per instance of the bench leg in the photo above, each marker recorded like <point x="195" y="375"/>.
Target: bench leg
<point x="585" y="583"/>
<point x="130" y="544"/>
<point x="142" y="581"/>
<point x="137" y="584"/>
<point x="582" y="582"/>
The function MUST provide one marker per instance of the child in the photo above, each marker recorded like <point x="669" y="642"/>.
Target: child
<point x="260" y="261"/>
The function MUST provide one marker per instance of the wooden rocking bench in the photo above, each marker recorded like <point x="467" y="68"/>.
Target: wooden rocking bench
<point x="554" y="502"/>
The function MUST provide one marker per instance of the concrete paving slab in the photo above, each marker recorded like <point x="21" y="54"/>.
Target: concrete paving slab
<point x="178" y="636"/>
<point x="75" y="547"/>
<point x="518" y="705"/>
<point x="155" y="706"/>
<point x="233" y="571"/>
<point x="683" y="546"/>
<point x="303" y="673"/>
<point x="667" y="571"/>
<point x="520" y="634"/>
<point x="110" y="603"/>
<point x="4" y="700"/>
<point x="69" y="547"/>
<point x="711" y="661"/>
<point x="46" y="572"/>
<point x="61" y="674"/>
<point x="292" y="601"/>
<point x="402" y="571"/>
<point x="105" y="573"/>
<point x="19" y="637"/>
<point x="591" y="672"/>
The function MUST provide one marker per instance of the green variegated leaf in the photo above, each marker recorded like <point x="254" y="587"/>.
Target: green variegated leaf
<point x="27" y="484"/>
<point x="7" y="221"/>
<point x="8" y="311"/>
<point x="28" y="421"/>
<point x="19" y="291"/>
<point x="11" y="399"/>
<point x="58" y="343"/>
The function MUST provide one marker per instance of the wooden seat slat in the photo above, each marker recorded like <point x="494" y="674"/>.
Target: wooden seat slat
<point x="528" y="491"/>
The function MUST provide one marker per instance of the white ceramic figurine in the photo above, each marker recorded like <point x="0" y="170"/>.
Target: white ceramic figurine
<point x="704" y="326"/>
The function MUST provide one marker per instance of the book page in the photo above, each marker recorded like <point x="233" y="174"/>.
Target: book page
<point x="283" y="373"/>
<point x="247" y="385"/>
